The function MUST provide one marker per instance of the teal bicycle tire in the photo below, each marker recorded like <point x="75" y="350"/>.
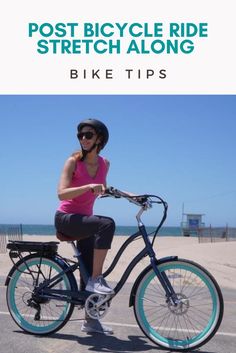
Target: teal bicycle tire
<point x="195" y="321"/>
<point x="54" y="314"/>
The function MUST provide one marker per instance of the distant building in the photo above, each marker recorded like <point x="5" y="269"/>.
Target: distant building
<point x="191" y="224"/>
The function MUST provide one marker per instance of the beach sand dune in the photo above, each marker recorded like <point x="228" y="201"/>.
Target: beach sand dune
<point x="218" y="258"/>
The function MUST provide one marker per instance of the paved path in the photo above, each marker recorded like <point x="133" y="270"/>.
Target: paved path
<point x="127" y="335"/>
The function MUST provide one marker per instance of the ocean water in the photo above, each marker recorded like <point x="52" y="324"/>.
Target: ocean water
<point x="43" y="229"/>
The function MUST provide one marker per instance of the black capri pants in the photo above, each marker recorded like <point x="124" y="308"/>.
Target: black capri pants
<point x="80" y="227"/>
<point x="92" y="232"/>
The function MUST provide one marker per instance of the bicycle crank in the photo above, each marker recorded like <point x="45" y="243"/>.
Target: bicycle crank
<point x="96" y="305"/>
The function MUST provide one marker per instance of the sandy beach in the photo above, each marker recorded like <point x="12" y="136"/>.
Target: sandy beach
<point x="219" y="258"/>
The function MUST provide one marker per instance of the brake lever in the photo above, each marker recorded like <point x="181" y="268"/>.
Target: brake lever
<point x="103" y="196"/>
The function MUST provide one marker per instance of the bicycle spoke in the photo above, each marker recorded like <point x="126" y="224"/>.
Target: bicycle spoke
<point x="40" y="315"/>
<point x="188" y="323"/>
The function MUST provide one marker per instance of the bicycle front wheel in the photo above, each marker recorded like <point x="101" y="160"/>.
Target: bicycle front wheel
<point x="38" y="315"/>
<point x="196" y="317"/>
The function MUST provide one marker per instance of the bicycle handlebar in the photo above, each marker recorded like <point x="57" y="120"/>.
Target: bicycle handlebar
<point x="140" y="200"/>
<point x="144" y="201"/>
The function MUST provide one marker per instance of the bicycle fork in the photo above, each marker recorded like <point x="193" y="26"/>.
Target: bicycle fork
<point x="164" y="280"/>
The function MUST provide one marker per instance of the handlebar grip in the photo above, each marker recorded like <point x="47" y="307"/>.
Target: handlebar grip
<point x="109" y="190"/>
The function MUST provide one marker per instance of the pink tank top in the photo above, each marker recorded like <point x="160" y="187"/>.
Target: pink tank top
<point x="83" y="204"/>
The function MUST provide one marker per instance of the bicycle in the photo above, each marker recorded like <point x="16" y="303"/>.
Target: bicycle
<point x="177" y="303"/>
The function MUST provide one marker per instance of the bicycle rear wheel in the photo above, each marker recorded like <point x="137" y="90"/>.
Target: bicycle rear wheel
<point x="196" y="318"/>
<point x="38" y="315"/>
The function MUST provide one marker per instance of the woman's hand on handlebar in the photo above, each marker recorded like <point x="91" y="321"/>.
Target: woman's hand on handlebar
<point x="97" y="189"/>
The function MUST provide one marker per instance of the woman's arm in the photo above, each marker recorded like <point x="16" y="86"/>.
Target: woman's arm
<point x="65" y="192"/>
<point x="108" y="166"/>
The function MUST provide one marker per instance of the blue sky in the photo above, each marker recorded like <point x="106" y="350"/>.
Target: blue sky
<point x="179" y="147"/>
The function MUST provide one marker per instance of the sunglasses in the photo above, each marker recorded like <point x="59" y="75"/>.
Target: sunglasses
<point x="88" y="135"/>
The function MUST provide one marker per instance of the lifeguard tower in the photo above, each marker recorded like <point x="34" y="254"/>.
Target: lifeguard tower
<point x="191" y="224"/>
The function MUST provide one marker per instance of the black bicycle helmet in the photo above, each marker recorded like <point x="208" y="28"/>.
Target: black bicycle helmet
<point x="100" y="129"/>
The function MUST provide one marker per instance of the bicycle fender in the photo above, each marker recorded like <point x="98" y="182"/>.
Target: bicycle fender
<point x="143" y="273"/>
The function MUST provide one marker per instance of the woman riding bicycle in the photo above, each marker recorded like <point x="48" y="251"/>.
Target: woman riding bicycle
<point x="84" y="178"/>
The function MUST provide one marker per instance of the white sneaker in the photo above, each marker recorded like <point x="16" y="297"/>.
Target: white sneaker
<point x="98" y="285"/>
<point x="94" y="326"/>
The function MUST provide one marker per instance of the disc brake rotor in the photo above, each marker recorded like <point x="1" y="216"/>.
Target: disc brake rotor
<point x="182" y="307"/>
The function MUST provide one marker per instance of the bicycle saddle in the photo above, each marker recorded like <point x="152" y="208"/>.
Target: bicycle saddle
<point x="64" y="237"/>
